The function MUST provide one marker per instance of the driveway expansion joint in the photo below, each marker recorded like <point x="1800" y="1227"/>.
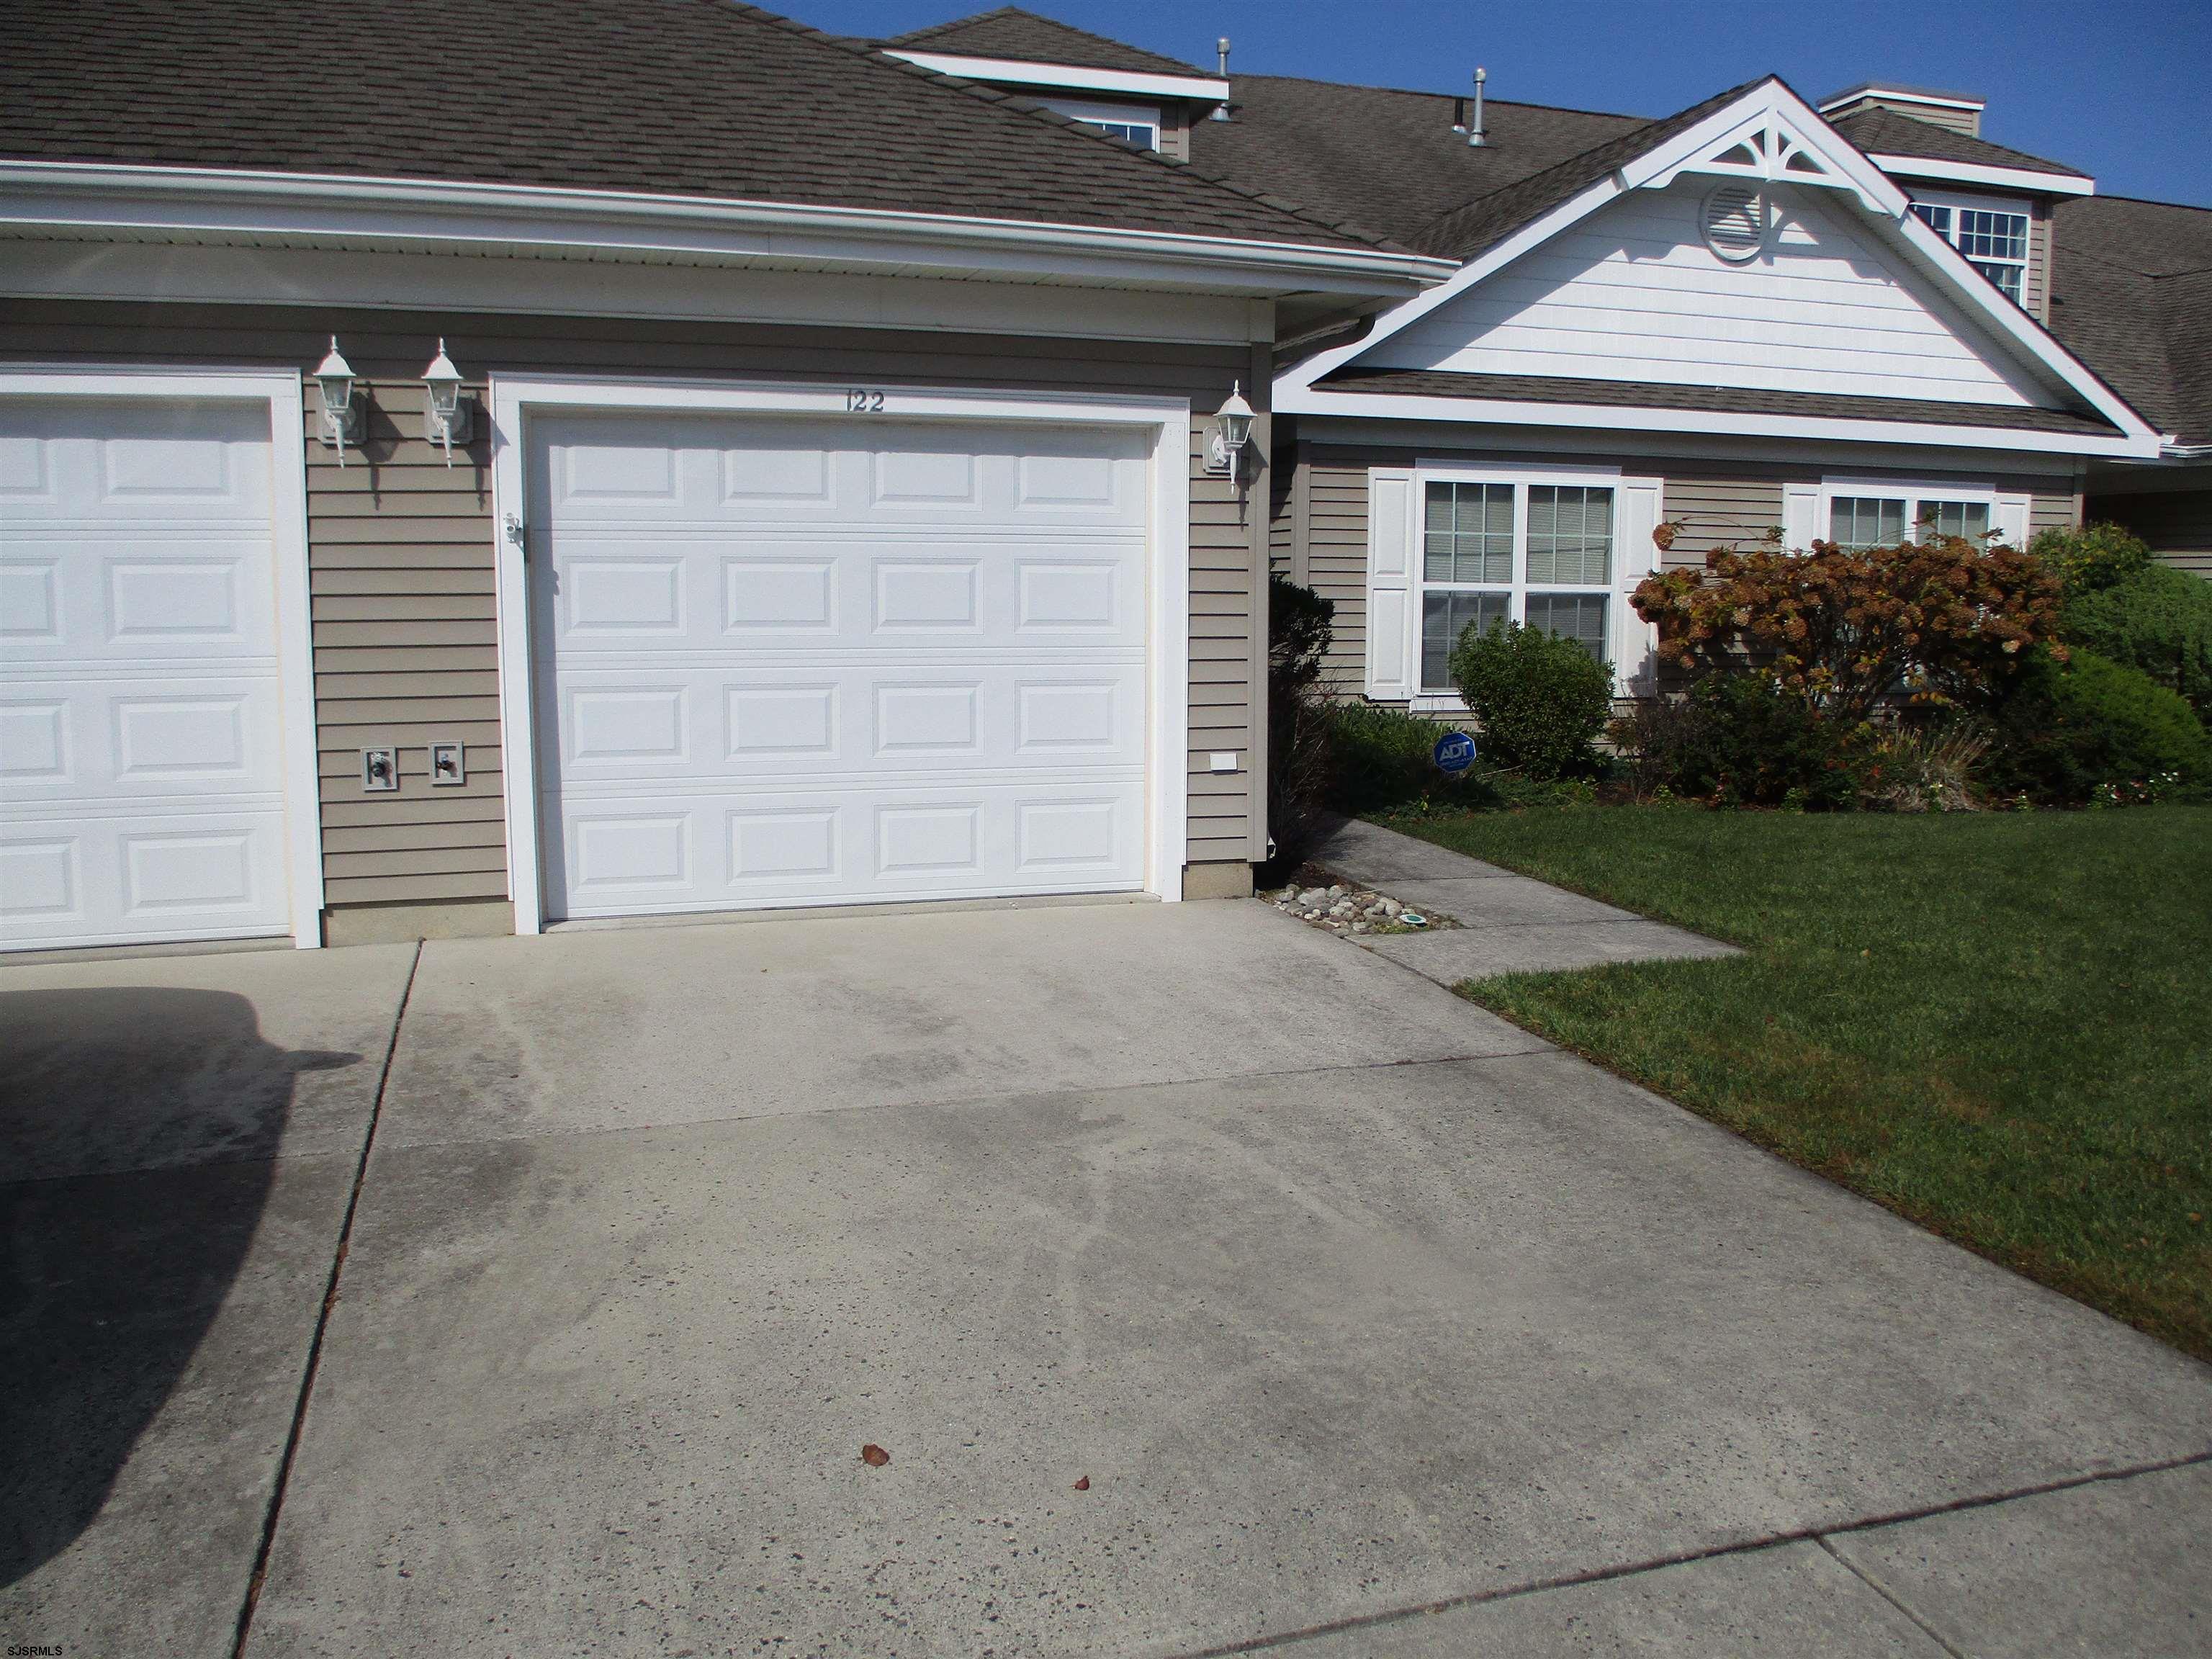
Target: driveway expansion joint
<point x="1819" y="1535"/>
<point x="314" y="1365"/>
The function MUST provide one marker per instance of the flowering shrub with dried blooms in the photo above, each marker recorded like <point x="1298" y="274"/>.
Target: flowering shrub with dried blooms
<point x="1939" y="621"/>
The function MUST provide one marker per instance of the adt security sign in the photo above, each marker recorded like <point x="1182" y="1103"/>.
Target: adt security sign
<point x="1454" y="751"/>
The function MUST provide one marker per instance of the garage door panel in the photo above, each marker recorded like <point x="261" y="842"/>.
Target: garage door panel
<point x="631" y="854"/>
<point x="825" y="718"/>
<point x="800" y="661"/>
<point x="84" y="596"/>
<point x="852" y="584"/>
<point x="141" y="782"/>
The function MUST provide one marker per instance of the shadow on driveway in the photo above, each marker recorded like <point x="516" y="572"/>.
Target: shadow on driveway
<point x="170" y="1109"/>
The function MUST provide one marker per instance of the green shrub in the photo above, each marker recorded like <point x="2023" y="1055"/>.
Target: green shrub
<point x="1740" y="738"/>
<point x="2158" y="620"/>
<point x="2092" y="558"/>
<point x="1541" y="700"/>
<point x="2065" y="733"/>
<point x="1383" y="758"/>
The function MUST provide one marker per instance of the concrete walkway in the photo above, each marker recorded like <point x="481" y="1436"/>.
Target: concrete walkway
<point x="1509" y="924"/>
<point x="1371" y="1324"/>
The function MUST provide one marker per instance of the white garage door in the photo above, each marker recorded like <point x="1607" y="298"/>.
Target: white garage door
<point x="802" y="662"/>
<point x="141" y="760"/>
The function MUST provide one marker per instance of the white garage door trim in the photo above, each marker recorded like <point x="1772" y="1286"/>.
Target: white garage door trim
<point x="514" y="399"/>
<point x="278" y="391"/>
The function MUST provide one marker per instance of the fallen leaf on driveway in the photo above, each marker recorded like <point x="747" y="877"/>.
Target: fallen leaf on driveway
<point x="874" y="1455"/>
<point x="1084" y="1485"/>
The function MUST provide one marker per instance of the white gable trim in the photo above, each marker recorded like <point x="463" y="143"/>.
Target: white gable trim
<point x="1780" y="125"/>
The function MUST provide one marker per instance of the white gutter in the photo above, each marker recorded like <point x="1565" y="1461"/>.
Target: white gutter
<point x="80" y="197"/>
<point x="1291" y="399"/>
<point x="1975" y="173"/>
<point x="1008" y="71"/>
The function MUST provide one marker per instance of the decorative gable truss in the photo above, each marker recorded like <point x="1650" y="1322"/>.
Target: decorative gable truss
<point x="1767" y="137"/>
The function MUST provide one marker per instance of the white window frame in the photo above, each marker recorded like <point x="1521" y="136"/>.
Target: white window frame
<point x="1636" y="506"/>
<point x="2009" y="513"/>
<point x="1956" y="205"/>
<point x="1097" y="114"/>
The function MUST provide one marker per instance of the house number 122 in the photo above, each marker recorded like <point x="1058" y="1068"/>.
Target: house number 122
<point x="857" y="402"/>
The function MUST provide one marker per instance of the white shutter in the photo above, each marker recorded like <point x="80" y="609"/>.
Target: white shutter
<point x="1634" y="639"/>
<point x="1801" y="516"/>
<point x="1390" y="620"/>
<point x="2009" y="520"/>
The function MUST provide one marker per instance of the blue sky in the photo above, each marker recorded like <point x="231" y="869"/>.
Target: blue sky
<point x="2122" y="88"/>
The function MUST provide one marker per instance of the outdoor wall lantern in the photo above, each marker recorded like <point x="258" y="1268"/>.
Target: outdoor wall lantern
<point x="1232" y="430"/>
<point x="446" y="417"/>
<point x="341" y="420"/>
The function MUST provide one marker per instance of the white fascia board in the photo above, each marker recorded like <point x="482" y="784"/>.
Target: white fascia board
<point x="1899" y="95"/>
<point x="151" y="272"/>
<point x="1472" y="411"/>
<point x="76" y="198"/>
<point x="1974" y="172"/>
<point x="1010" y="71"/>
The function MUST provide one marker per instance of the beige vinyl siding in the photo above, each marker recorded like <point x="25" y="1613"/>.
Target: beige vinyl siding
<point x="2035" y="282"/>
<point x="2178" y="525"/>
<point x="1720" y="504"/>
<point x="1968" y="121"/>
<point x="400" y="556"/>
<point x="401" y="549"/>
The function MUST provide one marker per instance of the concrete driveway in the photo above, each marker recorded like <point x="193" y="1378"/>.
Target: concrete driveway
<point x="1373" y="1325"/>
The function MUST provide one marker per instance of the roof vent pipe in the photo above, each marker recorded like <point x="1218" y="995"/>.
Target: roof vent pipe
<point x="1475" y="137"/>
<point x="1221" y="110"/>
<point x="1458" y="113"/>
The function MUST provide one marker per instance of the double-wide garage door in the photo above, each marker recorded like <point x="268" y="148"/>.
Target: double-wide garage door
<point x="785" y="661"/>
<point x="141" y="793"/>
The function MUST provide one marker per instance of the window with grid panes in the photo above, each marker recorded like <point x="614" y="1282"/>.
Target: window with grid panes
<point x="1500" y="552"/>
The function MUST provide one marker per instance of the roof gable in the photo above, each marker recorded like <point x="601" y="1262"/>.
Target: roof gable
<point x="1598" y="270"/>
<point x="1633" y="292"/>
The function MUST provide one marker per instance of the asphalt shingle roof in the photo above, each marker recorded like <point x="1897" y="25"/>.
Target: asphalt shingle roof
<point x="1466" y="231"/>
<point x="2131" y="296"/>
<point x="1643" y="394"/>
<point x="1886" y="132"/>
<point x="1022" y="37"/>
<point x="701" y="98"/>
<point x="1387" y="160"/>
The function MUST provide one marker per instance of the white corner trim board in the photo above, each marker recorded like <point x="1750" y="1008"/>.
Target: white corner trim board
<point x="277" y="393"/>
<point x="518" y="402"/>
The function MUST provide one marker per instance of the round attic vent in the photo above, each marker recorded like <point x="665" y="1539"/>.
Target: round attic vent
<point x="1736" y="217"/>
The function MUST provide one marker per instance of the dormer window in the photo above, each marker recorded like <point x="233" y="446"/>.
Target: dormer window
<point x="1133" y="124"/>
<point x="1993" y="238"/>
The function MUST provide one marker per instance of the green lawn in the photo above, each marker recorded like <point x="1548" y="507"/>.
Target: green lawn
<point x="1997" y="1024"/>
